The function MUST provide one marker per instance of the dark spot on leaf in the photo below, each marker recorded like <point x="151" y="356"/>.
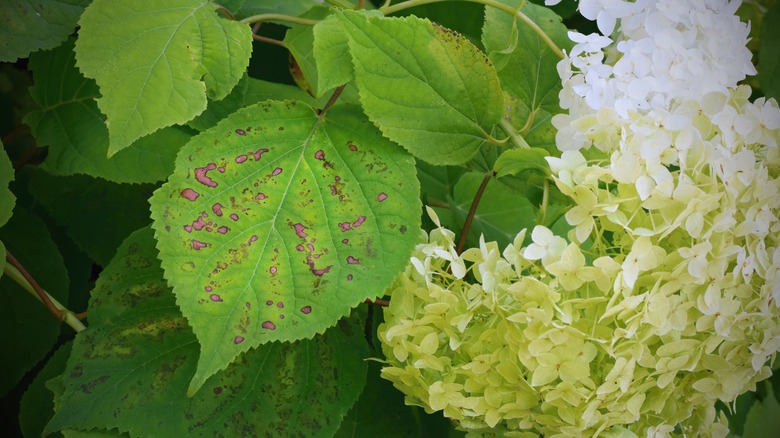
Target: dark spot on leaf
<point x="216" y="298"/>
<point x="349" y="277"/>
<point x="201" y="174"/>
<point x="306" y="310"/>
<point x="381" y="197"/>
<point x="241" y="158"/>
<point x="276" y="171"/>
<point x="269" y="325"/>
<point x="217" y="209"/>
<point x="402" y="229"/>
<point x="88" y="387"/>
<point x="359" y="221"/>
<point x="240" y="132"/>
<point x="223" y="230"/>
<point x="353" y="261"/>
<point x="238" y="339"/>
<point x="259" y="153"/>
<point x="189" y="194"/>
<point x="218" y="390"/>
<point x="198" y="245"/>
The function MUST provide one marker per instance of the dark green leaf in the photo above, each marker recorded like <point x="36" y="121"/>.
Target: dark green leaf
<point x="30" y="25"/>
<point x="86" y="206"/>
<point x="29" y="330"/>
<point x="7" y="198"/>
<point x="37" y="405"/>
<point x="763" y="420"/>
<point x="281" y="209"/>
<point x="517" y="161"/>
<point x="131" y="368"/>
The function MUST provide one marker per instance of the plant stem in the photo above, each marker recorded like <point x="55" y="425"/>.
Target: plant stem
<point x="377" y="302"/>
<point x="279" y="17"/>
<point x="19" y="274"/>
<point x="545" y="200"/>
<point x="516" y="138"/>
<point x="472" y="211"/>
<point x="267" y="40"/>
<point x="14" y="133"/>
<point x="386" y="10"/>
<point x="224" y="10"/>
<point x="332" y="100"/>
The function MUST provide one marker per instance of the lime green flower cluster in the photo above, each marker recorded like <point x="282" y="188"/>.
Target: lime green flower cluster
<point x="663" y="299"/>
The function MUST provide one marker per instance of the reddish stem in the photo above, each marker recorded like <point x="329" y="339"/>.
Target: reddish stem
<point x="472" y="211"/>
<point x="36" y="287"/>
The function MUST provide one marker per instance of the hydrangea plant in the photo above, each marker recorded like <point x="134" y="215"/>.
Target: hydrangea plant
<point x="663" y="297"/>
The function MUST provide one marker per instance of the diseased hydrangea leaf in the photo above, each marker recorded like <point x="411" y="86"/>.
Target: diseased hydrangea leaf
<point x="69" y="123"/>
<point x="277" y="222"/>
<point x="156" y="61"/>
<point x="443" y="120"/>
<point x="133" y="364"/>
<point x="37" y="404"/>
<point x="27" y="25"/>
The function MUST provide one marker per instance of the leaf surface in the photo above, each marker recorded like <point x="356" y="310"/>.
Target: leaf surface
<point x="769" y="53"/>
<point x="28" y="329"/>
<point x="156" y="61"/>
<point x="28" y="25"/>
<point x="425" y="86"/>
<point x="72" y="201"/>
<point x="69" y="123"/>
<point x="276" y="223"/>
<point x="37" y="405"/>
<point x="7" y="198"/>
<point x="527" y="66"/>
<point x="131" y="368"/>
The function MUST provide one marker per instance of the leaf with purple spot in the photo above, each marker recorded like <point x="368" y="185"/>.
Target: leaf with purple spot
<point x="288" y="219"/>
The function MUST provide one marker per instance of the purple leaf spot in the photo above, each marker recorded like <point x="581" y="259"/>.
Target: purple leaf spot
<point x="359" y="221"/>
<point x="208" y="288"/>
<point x="269" y="325"/>
<point x="217" y="209"/>
<point x="240" y="132"/>
<point x="299" y="230"/>
<point x="352" y="147"/>
<point x="345" y="226"/>
<point x="216" y="298"/>
<point x="197" y="245"/>
<point x="333" y="190"/>
<point x="315" y="271"/>
<point x="280" y="305"/>
<point x="218" y="390"/>
<point x="222" y="230"/>
<point x="190" y="194"/>
<point x="202" y="177"/>
<point x="261" y="196"/>
<point x="272" y="270"/>
<point x="320" y="155"/>
<point x="381" y="197"/>
<point x="299" y="247"/>
<point x="345" y="241"/>
<point x="353" y="261"/>
<point x="276" y="171"/>
<point x="188" y="228"/>
<point x="238" y="339"/>
<point x="306" y="310"/>
<point x="241" y="158"/>
<point x="221" y="169"/>
<point x="234" y="217"/>
<point x="310" y="246"/>
<point x="337" y="178"/>
<point x="281" y="316"/>
<point x="252" y="240"/>
<point x="349" y="277"/>
<point x="209" y="229"/>
<point x="269" y="303"/>
<point x="259" y="153"/>
<point x="248" y="305"/>
<point x="199" y="224"/>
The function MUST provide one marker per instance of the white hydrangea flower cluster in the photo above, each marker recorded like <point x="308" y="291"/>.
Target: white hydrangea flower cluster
<point x="666" y="295"/>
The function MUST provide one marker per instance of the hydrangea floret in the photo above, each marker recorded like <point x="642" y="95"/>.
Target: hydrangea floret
<point x="663" y="297"/>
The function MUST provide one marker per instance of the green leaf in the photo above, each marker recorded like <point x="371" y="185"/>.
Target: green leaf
<point x="28" y="329"/>
<point x="323" y="48"/>
<point x="425" y="86"/>
<point x="769" y="53"/>
<point x="516" y="161"/>
<point x="7" y="198"/>
<point x="295" y="8"/>
<point x="156" y="61"/>
<point x="249" y="91"/>
<point x="84" y="205"/>
<point x="69" y="122"/>
<point x="300" y="217"/>
<point x="30" y="25"/>
<point x="130" y="369"/>
<point x="37" y="404"/>
<point x="763" y="420"/>
<point x="526" y="65"/>
<point x="501" y="214"/>
<point x="380" y="412"/>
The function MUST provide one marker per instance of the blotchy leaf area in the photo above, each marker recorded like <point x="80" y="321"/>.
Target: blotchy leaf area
<point x="133" y="364"/>
<point x="156" y="61"/>
<point x="276" y="223"/>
